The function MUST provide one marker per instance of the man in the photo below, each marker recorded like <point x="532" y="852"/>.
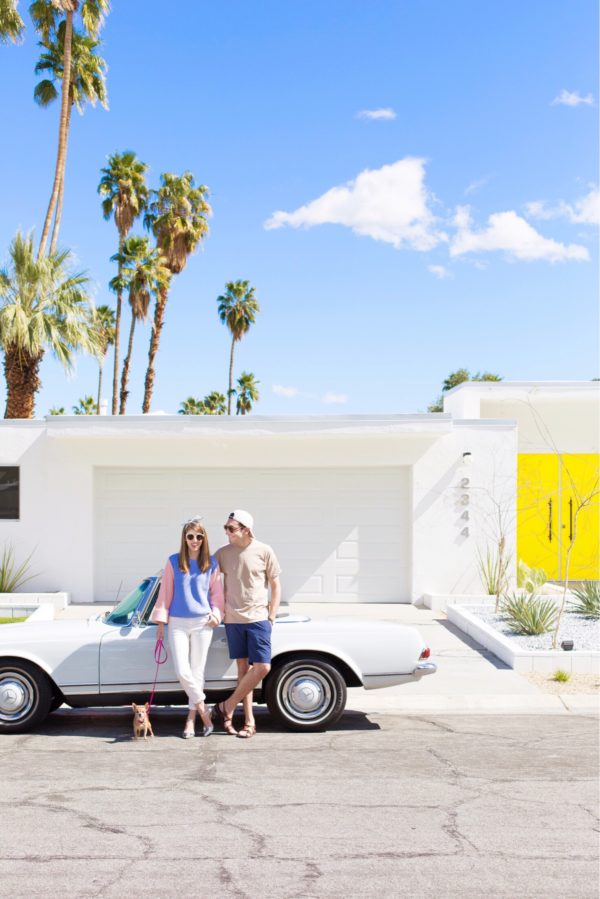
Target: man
<point x="250" y="570"/>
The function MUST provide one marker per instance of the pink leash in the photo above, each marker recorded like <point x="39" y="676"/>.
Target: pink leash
<point x="160" y="659"/>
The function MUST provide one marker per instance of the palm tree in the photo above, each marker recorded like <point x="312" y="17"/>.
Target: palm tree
<point x="42" y="307"/>
<point x="57" y="410"/>
<point x="177" y="216"/>
<point x="105" y="323"/>
<point x="45" y="15"/>
<point x="87" y="83"/>
<point x="214" y="404"/>
<point x="247" y="393"/>
<point x="237" y="309"/>
<point x="123" y="186"/>
<point x="143" y="273"/>
<point x="191" y="406"/>
<point x="11" y="23"/>
<point x="85" y="406"/>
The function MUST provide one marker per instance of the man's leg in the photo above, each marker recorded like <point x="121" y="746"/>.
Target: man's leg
<point x="252" y="676"/>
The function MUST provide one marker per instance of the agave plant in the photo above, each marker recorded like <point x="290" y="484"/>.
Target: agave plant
<point x="528" y="614"/>
<point x="12" y="575"/>
<point x="587" y="599"/>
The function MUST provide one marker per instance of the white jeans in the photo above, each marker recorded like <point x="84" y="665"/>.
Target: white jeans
<point x="189" y="641"/>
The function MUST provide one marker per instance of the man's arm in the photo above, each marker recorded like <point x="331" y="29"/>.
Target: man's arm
<point x="275" y="585"/>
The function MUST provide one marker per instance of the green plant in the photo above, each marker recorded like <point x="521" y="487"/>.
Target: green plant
<point x="560" y="676"/>
<point x="11" y="574"/>
<point x="530" y="579"/>
<point x="529" y="614"/>
<point x="13" y="620"/>
<point x="492" y="570"/>
<point x="587" y="599"/>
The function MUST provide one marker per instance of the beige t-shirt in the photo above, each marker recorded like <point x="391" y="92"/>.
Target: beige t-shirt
<point x="247" y="572"/>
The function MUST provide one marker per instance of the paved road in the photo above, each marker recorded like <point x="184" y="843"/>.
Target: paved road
<point x="381" y="806"/>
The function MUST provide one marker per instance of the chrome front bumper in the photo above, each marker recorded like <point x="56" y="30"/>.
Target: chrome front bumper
<point x="424" y="668"/>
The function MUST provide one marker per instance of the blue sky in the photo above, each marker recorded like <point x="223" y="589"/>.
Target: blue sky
<point x="410" y="187"/>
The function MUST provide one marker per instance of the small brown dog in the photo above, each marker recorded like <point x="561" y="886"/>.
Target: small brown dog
<point x="141" y="721"/>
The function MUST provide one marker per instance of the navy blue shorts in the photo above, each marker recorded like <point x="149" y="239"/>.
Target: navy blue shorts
<point x="250" y="641"/>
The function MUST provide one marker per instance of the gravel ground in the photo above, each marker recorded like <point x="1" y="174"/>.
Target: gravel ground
<point x="577" y="683"/>
<point x="584" y="632"/>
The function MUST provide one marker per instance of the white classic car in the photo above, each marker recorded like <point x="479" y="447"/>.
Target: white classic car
<point x="109" y="660"/>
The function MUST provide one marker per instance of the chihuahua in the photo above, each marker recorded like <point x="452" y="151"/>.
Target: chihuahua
<point x="141" y="721"/>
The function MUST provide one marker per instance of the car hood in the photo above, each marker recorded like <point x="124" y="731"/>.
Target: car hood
<point x="38" y="631"/>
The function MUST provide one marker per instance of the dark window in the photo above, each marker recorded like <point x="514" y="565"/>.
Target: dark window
<point x="9" y="491"/>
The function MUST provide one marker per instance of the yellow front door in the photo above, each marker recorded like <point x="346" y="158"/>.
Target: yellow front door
<point x="558" y="507"/>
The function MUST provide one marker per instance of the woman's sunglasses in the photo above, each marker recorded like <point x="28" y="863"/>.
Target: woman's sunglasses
<point x="191" y="537"/>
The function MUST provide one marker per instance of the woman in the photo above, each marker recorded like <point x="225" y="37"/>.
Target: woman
<point x="191" y="601"/>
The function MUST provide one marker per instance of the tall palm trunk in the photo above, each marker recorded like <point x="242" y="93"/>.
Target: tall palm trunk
<point x="157" y="326"/>
<point x="63" y="131"/>
<point x="230" y="391"/>
<point x="100" y="364"/>
<point x="117" y="331"/>
<point x="61" y="193"/>
<point x="22" y="381"/>
<point x="125" y="373"/>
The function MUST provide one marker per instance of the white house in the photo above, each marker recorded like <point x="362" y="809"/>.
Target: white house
<point x="375" y="508"/>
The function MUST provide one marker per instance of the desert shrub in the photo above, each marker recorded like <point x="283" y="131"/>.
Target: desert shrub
<point x="528" y="614"/>
<point x="587" y="599"/>
<point x="530" y="579"/>
<point x="560" y="676"/>
<point x="492" y="570"/>
<point x="12" y="575"/>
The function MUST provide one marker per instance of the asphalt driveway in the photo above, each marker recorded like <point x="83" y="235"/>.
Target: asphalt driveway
<point x="381" y="805"/>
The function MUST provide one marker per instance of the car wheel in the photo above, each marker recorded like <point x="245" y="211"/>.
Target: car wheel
<point x="25" y="696"/>
<point x="305" y="694"/>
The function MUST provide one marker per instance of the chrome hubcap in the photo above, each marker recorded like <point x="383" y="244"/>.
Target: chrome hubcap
<point x="306" y="695"/>
<point x="16" y="697"/>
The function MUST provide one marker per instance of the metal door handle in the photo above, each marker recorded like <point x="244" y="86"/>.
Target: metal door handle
<point x="550" y="520"/>
<point x="571" y="519"/>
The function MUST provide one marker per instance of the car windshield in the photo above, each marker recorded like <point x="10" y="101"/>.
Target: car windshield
<point x="123" y="613"/>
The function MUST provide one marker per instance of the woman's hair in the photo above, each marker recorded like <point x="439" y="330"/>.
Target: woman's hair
<point x="194" y="524"/>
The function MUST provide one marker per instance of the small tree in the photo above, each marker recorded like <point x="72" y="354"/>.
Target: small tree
<point x="86" y="406"/>
<point x="57" y="410"/>
<point x="459" y="377"/>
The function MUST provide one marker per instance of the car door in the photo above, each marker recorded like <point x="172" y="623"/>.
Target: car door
<point x="127" y="661"/>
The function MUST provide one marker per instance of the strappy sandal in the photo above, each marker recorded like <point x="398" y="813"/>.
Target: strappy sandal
<point x="207" y="722"/>
<point x="247" y="731"/>
<point x="221" y="719"/>
<point x="189" y="730"/>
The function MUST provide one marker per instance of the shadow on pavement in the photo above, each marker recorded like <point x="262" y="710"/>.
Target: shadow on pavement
<point x="115" y="724"/>
<point x="472" y="644"/>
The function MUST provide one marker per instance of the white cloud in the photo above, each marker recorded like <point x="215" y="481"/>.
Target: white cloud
<point x="390" y="204"/>
<point x="585" y="211"/>
<point x="476" y="185"/>
<point x="385" y="113"/>
<point x="334" y="399"/>
<point x="572" y="98"/>
<point x="441" y="272"/>
<point x="508" y="232"/>
<point x="287" y="392"/>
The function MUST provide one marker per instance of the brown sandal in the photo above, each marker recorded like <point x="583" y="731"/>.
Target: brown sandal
<point x="223" y="720"/>
<point x="247" y="731"/>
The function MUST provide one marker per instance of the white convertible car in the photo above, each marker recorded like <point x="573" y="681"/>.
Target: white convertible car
<point x="109" y="660"/>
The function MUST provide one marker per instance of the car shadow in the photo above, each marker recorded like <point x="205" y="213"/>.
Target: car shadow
<point x="115" y="725"/>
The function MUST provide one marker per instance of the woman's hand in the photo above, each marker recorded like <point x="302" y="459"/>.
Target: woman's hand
<point x="213" y="620"/>
<point x="160" y="631"/>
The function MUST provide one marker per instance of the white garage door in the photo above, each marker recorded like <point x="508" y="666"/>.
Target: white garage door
<point x="340" y="535"/>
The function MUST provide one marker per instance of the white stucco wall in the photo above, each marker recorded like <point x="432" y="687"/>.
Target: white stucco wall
<point x="58" y="459"/>
<point x="558" y="416"/>
<point x="443" y="557"/>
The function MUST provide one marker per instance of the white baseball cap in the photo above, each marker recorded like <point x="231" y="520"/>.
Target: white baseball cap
<point x="242" y="517"/>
